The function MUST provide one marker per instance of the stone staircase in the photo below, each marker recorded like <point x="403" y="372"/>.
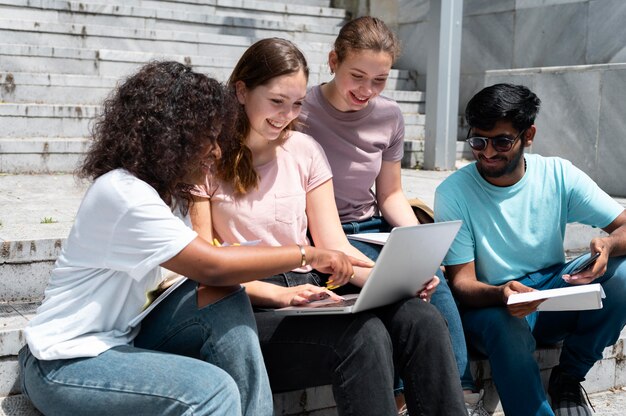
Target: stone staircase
<point x="59" y="59"/>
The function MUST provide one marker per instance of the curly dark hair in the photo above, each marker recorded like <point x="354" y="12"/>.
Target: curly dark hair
<point x="159" y="125"/>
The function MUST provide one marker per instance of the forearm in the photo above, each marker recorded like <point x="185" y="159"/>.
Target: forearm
<point x="396" y="210"/>
<point x="264" y="295"/>
<point x="477" y="294"/>
<point x="223" y="266"/>
<point x="470" y="291"/>
<point x="616" y="242"/>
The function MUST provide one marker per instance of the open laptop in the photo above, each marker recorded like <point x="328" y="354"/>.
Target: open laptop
<point x="409" y="259"/>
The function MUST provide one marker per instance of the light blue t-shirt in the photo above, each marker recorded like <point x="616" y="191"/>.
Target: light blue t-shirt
<point x="515" y="230"/>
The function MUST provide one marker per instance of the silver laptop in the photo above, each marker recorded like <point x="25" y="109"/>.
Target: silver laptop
<point x="409" y="259"/>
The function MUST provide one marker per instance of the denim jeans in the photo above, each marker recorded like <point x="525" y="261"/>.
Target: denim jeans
<point x="185" y="361"/>
<point x="360" y="353"/>
<point x="509" y="342"/>
<point x="442" y="298"/>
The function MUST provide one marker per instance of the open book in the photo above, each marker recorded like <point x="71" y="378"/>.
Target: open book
<point x="571" y="298"/>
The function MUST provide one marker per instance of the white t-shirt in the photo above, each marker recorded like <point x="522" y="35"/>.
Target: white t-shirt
<point x="122" y="232"/>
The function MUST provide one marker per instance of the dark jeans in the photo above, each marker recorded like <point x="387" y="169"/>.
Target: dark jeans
<point x="360" y="353"/>
<point x="510" y="342"/>
<point x="442" y="298"/>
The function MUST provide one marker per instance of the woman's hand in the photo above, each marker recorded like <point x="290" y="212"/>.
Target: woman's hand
<point x="303" y="294"/>
<point x="335" y="263"/>
<point x="427" y="292"/>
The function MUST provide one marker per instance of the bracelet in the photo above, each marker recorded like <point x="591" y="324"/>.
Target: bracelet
<point x="303" y="254"/>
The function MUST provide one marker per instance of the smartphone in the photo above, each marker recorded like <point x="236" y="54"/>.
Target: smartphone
<point x="585" y="265"/>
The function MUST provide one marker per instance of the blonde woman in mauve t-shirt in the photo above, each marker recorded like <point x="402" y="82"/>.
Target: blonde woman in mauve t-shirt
<point x="271" y="189"/>
<point x="362" y="134"/>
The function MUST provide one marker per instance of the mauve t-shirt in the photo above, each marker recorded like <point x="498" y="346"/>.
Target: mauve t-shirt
<point x="355" y="144"/>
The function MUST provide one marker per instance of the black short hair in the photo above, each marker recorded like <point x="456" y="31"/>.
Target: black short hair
<point x="514" y="103"/>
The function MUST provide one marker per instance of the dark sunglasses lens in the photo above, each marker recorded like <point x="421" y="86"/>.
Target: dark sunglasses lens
<point x="502" y="144"/>
<point x="477" y="143"/>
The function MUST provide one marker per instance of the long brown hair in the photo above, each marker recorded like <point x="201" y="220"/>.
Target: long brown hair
<point x="366" y="33"/>
<point x="158" y="125"/>
<point x="266" y="59"/>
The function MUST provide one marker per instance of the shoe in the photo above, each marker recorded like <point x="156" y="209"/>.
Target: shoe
<point x="566" y="395"/>
<point x="403" y="412"/>
<point x="475" y="405"/>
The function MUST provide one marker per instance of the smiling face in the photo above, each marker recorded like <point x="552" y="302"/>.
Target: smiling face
<point x="502" y="168"/>
<point x="272" y="106"/>
<point x="359" y="78"/>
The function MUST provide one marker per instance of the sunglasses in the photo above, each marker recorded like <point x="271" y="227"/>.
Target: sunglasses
<point x="500" y="143"/>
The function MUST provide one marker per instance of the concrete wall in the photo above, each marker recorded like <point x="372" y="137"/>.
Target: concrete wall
<point x="509" y="34"/>
<point x="570" y="52"/>
<point x="583" y="117"/>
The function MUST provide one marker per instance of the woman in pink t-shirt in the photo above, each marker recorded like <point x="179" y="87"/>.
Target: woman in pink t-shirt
<point x="274" y="186"/>
<point x="362" y="134"/>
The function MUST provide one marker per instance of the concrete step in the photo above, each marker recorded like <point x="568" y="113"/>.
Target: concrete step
<point x="116" y="63"/>
<point x="607" y="374"/>
<point x="68" y="35"/>
<point x="38" y="212"/>
<point x="55" y="88"/>
<point x="45" y="120"/>
<point x="257" y="9"/>
<point x="258" y="24"/>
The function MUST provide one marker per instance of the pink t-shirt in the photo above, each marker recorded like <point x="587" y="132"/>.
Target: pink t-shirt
<point x="355" y="143"/>
<point x="275" y="212"/>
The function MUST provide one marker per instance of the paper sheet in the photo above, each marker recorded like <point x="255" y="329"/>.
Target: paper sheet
<point x="571" y="298"/>
<point x="374" y="238"/>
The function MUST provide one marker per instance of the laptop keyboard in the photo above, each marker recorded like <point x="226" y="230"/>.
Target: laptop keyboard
<point x="338" y="304"/>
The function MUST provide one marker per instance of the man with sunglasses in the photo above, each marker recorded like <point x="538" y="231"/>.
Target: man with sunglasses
<point x="514" y="208"/>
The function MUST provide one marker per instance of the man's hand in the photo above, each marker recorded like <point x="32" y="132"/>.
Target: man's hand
<point x="519" y="310"/>
<point x="597" y="269"/>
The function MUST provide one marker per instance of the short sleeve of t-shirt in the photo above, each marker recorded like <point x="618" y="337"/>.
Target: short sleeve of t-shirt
<point x="129" y="226"/>
<point x="122" y="232"/>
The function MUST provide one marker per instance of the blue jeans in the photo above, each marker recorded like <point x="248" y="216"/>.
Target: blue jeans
<point x="509" y="342"/>
<point x="185" y="361"/>
<point x="442" y="298"/>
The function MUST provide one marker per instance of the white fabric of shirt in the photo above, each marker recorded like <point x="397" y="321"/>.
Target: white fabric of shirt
<point x="122" y="232"/>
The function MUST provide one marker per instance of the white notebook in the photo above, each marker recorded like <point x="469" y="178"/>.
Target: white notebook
<point x="571" y="298"/>
<point x="375" y="238"/>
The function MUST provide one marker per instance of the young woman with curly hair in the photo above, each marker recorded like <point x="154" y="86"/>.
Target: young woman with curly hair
<point x="88" y="350"/>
